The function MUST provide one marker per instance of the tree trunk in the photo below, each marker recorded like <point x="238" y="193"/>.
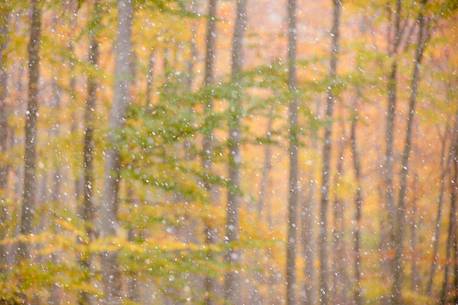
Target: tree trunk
<point x="133" y="285"/>
<point x="358" y="201"/>
<point x="56" y="175"/>
<point x="415" y="277"/>
<point x="307" y="224"/>
<point x="339" y="261"/>
<point x="108" y="208"/>
<point x="267" y="166"/>
<point x="400" y="210"/>
<point x="232" y="257"/>
<point x="293" y="158"/>
<point x="193" y="47"/>
<point x="437" y="224"/>
<point x="30" y="154"/>
<point x="4" y="168"/>
<point x="88" y="211"/>
<point x="210" y="283"/>
<point x="451" y="238"/>
<point x="387" y="169"/>
<point x="323" y="234"/>
<point x="74" y="119"/>
<point x="307" y="221"/>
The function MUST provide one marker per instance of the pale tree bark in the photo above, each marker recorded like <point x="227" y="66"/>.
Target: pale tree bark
<point x="400" y="209"/>
<point x="72" y="92"/>
<point x="339" y="276"/>
<point x="30" y="154"/>
<point x="444" y="163"/>
<point x="108" y="208"/>
<point x="87" y="209"/>
<point x="232" y="257"/>
<point x="264" y="209"/>
<point x="308" y="221"/>
<point x="327" y="149"/>
<point x="56" y="173"/>
<point x="4" y="167"/>
<point x="133" y="284"/>
<point x="293" y="188"/>
<point x="210" y="283"/>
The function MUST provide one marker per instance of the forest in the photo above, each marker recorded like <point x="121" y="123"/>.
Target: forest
<point x="228" y="152"/>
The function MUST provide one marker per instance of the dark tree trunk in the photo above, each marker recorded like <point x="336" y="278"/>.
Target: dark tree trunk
<point x="387" y="169"/>
<point x="415" y="276"/>
<point x="30" y="154"/>
<point x="358" y="194"/>
<point x="293" y="158"/>
<point x="452" y="230"/>
<point x="327" y="146"/>
<point x="400" y="210"/>
<point x="108" y="209"/>
<point x="4" y="168"/>
<point x="358" y="201"/>
<point x="232" y="257"/>
<point x="88" y="211"/>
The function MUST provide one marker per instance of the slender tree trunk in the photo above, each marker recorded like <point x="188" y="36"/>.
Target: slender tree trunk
<point x="56" y="177"/>
<point x="133" y="284"/>
<point x="358" y="201"/>
<point x="293" y="188"/>
<point x="323" y="234"/>
<point x="255" y="297"/>
<point x="400" y="211"/>
<point x="307" y="222"/>
<point x="88" y="211"/>
<point x="415" y="277"/>
<point x="210" y="283"/>
<point x="387" y="169"/>
<point x="455" y="284"/>
<point x="4" y="168"/>
<point x="232" y="258"/>
<point x="455" y="241"/>
<point x="267" y="166"/>
<point x="30" y="155"/>
<point x="451" y="238"/>
<point x="193" y="47"/>
<point x="437" y="224"/>
<point x="339" y="261"/>
<point x="108" y="208"/>
<point x="73" y="10"/>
